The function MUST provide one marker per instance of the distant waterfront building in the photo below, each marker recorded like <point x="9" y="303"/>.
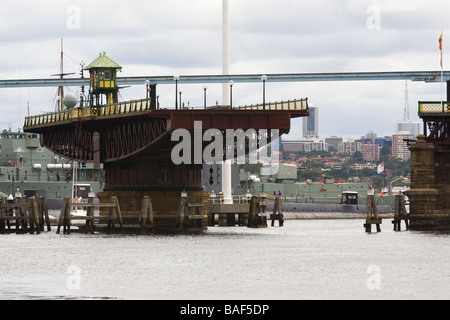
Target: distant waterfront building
<point x="333" y="143"/>
<point x="383" y="141"/>
<point x="306" y="145"/>
<point x="371" y="136"/>
<point x="371" y="152"/>
<point x="350" y="147"/>
<point x="360" y="166"/>
<point x="311" y="124"/>
<point x="400" y="146"/>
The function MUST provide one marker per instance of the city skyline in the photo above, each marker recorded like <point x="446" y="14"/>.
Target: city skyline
<point x="311" y="129"/>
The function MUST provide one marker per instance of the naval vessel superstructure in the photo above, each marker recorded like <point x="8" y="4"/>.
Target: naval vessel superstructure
<point x="32" y="170"/>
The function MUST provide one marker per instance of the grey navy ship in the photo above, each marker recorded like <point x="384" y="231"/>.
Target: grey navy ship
<point x="28" y="169"/>
<point x="303" y="200"/>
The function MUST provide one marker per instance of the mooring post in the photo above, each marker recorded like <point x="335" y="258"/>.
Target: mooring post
<point x="118" y="213"/>
<point x="372" y="214"/>
<point x="400" y="213"/>
<point x="112" y="217"/>
<point x="2" y="216"/>
<point x="182" y="208"/>
<point x="257" y="217"/>
<point x="21" y="212"/>
<point x="43" y="214"/>
<point x="35" y="214"/>
<point x="63" y="215"/>
<point x="146" y="214"/>
<point x="90" y="213"/>
<point x="277" y="207"/>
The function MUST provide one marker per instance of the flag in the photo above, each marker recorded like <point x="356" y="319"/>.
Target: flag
<point x="440" y="47"/>
<point x="380" y="168"/>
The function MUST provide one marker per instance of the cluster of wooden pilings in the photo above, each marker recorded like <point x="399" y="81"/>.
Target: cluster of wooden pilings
<point x="400" y="214"/>
<point x="24" y="215"/>
<point x="191" y="214"/>
<point x="111" y="223"/>
<point x="249" y="211"/>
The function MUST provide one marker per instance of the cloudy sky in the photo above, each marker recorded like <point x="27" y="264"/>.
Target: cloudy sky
<point x="160" y="38"/>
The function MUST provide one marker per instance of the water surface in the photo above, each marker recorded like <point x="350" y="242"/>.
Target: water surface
<point x="308" y="259"/>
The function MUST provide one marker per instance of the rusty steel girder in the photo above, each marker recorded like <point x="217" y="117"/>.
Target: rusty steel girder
<point x="104" y="142"/>
<point x="115" y="138"/>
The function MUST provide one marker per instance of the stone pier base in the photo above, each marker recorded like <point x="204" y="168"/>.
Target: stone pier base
<point x="429" y="196"/>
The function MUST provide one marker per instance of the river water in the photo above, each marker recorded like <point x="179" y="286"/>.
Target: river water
<point x="305" y="259"/>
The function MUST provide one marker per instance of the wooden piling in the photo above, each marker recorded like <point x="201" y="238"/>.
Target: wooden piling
<point x="90" y="215"/>
<point x="146" y="219"/>
<point x="33" y="207"/>
<point x="43" y="214"/>
<point x="64" y="217"/>
<point x="257" y="217"/>
<point x="118" y="213"/>
<point x="277" y="213"/>
<point x="400" y="213"/>
<point x="372" y="214"/>
<point x="182" y="212"/>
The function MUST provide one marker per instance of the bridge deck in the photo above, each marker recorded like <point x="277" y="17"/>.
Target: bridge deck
<point x="255" y="116"/>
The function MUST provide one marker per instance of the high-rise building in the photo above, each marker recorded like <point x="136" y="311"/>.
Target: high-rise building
<point x="413" y="126"/>
<point x="408" y="125"/>
<point x="311" y="124"/>
<point x="371" y="152"/>
<point x="400" y="146"/>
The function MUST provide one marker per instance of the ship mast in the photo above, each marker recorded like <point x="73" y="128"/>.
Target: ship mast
<point x="61" y="88"/>
<point x="60" y="104"/>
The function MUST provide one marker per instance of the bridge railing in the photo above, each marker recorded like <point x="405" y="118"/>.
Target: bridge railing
<point x="434" y="106"/>
<point x="300" y="104"/>
<point x="105" y="110"/>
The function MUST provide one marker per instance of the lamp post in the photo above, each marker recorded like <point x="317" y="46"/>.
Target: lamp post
<point x="205" y="87"/>
<point x="264" y="79"/>
<point x="176" y="78"/>
<point x="181" y="91"/>
<point x="231" y="83"/>
<point x="147" y="84"/>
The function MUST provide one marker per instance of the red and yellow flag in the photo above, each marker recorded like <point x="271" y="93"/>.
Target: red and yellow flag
<point x="440" y="47"/>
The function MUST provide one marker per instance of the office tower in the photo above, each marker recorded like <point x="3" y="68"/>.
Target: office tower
<point x="311" y="124"/>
